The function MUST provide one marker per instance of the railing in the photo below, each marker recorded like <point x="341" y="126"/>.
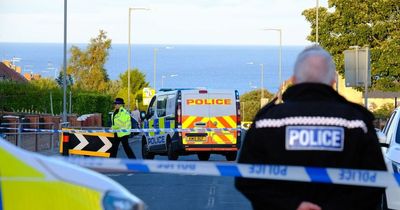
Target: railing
<point x="19" y="133"/>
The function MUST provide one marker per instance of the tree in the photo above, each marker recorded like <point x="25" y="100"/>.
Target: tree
<point x="69" y="79"/>
<point x="45" y="83"/>
<point x="137" y="83"/>
<point x="113" y="88"/>
<point x="250" y="103"/>
<point x="364" y="23"/>
<point x="87" y="66"/>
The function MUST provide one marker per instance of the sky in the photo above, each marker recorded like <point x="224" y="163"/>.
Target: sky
<point x="214" y="22"/>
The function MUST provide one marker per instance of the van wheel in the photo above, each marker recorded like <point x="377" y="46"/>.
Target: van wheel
<point x="172" y="155"/>
<point x="203" y="156"/>
<point x="231" y="156"/>
<point x="145" y="151"/>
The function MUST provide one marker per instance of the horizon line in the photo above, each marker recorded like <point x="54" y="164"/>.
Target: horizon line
<point x="164" y="44"/>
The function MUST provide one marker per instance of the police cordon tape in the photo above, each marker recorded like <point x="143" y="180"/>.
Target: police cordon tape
<point x="370" y="178"/>
<point x="144" y="130"/>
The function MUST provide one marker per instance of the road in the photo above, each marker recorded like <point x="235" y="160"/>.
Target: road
<point x="181" y="192"/>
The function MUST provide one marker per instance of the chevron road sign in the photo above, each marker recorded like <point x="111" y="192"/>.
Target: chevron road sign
<point x="90" y="144"/>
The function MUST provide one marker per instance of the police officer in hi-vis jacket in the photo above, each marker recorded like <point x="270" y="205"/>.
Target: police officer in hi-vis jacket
<point x="313" y="126"/>
<point x="121" y="119"/>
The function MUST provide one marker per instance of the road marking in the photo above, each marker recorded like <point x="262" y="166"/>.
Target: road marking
<point x="211" y="193"/>
<point x="210" y="203"/>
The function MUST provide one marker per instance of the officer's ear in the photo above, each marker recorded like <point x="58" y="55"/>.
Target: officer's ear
<point x="293" y="79"/>
<point x="333" y="82"/>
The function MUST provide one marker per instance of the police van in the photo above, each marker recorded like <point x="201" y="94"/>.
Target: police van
<point x="193" y="109"/>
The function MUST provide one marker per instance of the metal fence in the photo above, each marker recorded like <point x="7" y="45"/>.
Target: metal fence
<point x="31" y="140"/>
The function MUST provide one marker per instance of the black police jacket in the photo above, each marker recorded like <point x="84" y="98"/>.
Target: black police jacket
<point x="314" y="126"/>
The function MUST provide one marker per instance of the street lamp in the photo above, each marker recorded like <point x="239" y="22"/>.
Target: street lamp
<point x="316" y="24"/>
<point x="64" y="115"/>
<point x="280" y="50"/>
<point x="155" y="67"/>
<point x="262" y="80"/>
<point x="155" y="51"/>
<point x="129" y="52"/>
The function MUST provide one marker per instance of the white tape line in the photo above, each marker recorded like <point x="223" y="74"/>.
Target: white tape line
<point x="357" y="177"/>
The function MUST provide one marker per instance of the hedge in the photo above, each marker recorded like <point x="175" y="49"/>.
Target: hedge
<point x="17" y="97"/>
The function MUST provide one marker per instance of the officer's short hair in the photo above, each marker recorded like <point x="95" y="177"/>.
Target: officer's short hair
<point x="307" y="71"/>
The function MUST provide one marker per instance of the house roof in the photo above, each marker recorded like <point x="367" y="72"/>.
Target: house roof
<point x="9" y="74"/>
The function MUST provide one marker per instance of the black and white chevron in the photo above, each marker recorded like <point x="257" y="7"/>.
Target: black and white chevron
<point x="89" y="143"/>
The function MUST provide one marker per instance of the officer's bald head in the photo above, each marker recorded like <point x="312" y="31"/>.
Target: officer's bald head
<point x="314" y="64"/>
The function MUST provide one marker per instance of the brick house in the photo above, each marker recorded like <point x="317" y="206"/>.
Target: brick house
<point x="10" y="74"/>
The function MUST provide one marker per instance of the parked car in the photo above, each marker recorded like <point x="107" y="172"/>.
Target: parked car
<point x="389" y="138"/>
<point x="32" y="181"/>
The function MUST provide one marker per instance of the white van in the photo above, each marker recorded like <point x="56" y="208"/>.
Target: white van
<point x="191" y="109"/>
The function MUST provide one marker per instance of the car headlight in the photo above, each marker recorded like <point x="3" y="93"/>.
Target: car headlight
<point x="396" y="167"/>
<point x="116" y="201"/>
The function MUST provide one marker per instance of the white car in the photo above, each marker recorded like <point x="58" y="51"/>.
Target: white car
<point x="32" y="181"/>
<point x="389" y="138"/>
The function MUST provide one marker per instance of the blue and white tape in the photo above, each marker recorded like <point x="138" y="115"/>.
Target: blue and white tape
<point x="144" y="130"/>
<point x="371" y="178"/>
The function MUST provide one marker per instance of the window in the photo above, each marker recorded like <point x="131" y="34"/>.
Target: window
<point x="385" y="129"/>
<point x="161" y="106"/>
<point x="171" y="105"/>
<point x="152" y="107"/>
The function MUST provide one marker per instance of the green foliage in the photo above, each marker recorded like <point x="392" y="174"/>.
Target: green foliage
<point x="113" y="88"/>
<point x="60" y="77"/>
<point x="86" y="102"/>
<point x="87" y="66"/>
<point x="45" y="83"/>
<point x="364" y="23"/>
<point x="36" y="96"/>
<point x="384" y="111"/>
<point x="137" y="83"/>
<point x="251" y="102"/>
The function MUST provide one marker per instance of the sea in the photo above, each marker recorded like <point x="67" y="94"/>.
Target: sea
<point x="177" y="66"/>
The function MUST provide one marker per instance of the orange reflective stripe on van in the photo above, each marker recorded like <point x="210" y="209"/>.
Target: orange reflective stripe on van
<point x="220" y="137"/>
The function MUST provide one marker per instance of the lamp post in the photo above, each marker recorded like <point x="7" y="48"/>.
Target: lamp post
<point x="280" y="50"/>
<point x="129" y="51"/>
<point x="155" y="67"/>
<point x="162" y="80"/>
<point x="262" y="80"/>
<point x="316" y="24"/>
<point x="64" y="116"/>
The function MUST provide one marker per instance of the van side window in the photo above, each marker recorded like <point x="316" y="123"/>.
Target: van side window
<point x="161" y="106"/>
<point x="152" y="107"/>
<point x="171" y="105"/>
<point x="391" y="128"/>
<point x="385" y="129"/>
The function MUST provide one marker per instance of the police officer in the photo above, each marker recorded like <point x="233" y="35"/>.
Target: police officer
<point x="121" y="119"/>
<point x="314" y="126"/>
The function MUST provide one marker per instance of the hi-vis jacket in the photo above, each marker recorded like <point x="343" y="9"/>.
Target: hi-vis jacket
<point x="122" y="120"/>
<point x="314" y="126"/>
